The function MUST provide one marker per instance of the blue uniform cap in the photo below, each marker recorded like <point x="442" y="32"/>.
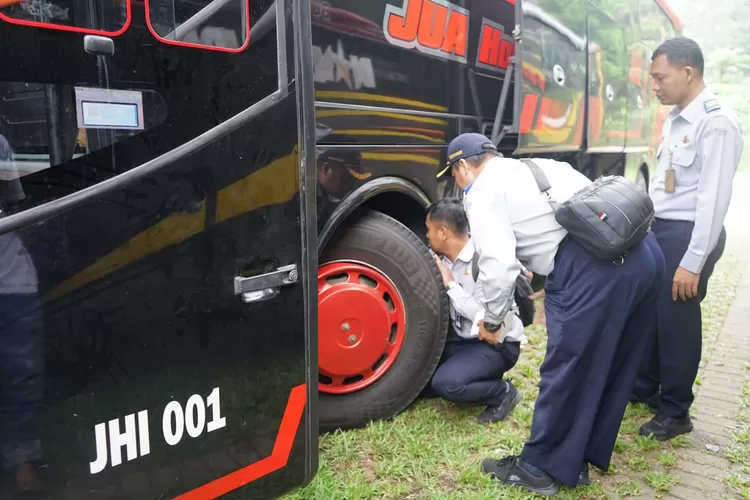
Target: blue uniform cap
<point x="465" y="145"/>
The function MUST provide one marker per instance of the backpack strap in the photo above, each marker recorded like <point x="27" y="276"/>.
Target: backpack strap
<point x="542" y="182"/>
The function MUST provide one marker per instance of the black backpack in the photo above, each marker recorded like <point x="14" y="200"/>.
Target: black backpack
<point x="608" y="217"/>
<point x="526" y="307"/>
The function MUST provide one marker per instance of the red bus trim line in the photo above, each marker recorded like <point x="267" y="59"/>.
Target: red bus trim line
<point x="191" y="45"/>
<point x="72" y="29"/>
<point x="282" y="448"/>
<point x="674" y="18"/>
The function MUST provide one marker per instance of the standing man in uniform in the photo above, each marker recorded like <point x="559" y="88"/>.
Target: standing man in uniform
<point x="597" y="312"/>
<point x="691" y="189"/>
<point x="471" y="369"/>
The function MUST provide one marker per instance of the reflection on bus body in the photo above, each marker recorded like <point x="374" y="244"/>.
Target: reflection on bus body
<point x="21" y="348"/>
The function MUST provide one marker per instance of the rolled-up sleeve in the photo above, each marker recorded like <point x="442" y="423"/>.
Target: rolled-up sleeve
<point x="720" y="147"/>
<point x="496" y="244"/>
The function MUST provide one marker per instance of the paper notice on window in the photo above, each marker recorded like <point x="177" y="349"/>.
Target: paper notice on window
<point x="109" y="108"/>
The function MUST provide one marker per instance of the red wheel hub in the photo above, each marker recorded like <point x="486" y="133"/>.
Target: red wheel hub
<point x="361" y="324"/>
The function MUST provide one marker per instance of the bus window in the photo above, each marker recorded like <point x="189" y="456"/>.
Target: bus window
<point x="74" y="120"/>
<point x="45" y="126"/>
<point x="211" y="24"/>
<point x="105" y="17"/>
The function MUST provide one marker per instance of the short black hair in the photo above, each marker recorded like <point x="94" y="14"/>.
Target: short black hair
<point x="682" y="51"/>
<point x="449" y="212"/>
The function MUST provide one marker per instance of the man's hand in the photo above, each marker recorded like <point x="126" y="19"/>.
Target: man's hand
<point x="447" y="278"/>
<point x="490" y="338"/>
<point x="538" y="295"/>
<point x="684" y="284"/>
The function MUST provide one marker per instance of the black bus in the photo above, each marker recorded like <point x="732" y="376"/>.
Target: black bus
<point x="173" y="175"/>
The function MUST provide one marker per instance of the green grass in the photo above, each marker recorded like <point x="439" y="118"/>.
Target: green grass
<point x="739" y="450"/>
<point x="434" y="449"/>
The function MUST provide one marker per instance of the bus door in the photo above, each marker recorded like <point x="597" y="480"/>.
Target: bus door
<point x="609" y="96"/>
<point x="156" y="317"/>
<point x="552" y="94"/>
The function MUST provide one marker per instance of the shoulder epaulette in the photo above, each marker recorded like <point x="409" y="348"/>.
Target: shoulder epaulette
<point x="711" y="105"/>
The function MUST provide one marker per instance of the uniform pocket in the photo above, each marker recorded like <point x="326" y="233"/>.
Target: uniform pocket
<point x="684" y="164"/>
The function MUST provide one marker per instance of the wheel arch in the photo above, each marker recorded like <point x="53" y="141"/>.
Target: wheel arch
<point x="393" y="196"/>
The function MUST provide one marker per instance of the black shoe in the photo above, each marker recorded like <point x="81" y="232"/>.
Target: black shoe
<point x="651" y="401"/>
<point x="664" y="428"/>
<point x="583" y="476"/>
<point x="510" y="473"/>
<point x="499" y="413"/>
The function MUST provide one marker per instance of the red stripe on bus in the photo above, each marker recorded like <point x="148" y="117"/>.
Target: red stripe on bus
<point x="675" y="19"/>
<point x="282" y="448"/>
<point x="201" y="46"/>
<point x="71" y="29"/>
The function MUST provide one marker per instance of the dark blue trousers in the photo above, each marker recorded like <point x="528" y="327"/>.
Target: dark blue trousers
<point x="672" y="360"/>
<point x="598" y="313"/>
<point x="470" y="370"/>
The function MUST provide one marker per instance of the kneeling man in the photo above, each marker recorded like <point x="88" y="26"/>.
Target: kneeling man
<point x="471" y="369"/>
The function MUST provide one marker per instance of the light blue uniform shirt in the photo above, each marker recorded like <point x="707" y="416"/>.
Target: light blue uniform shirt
<point x="512" y="223"/>
<point x="467" y="300"/>
<point x="703" y="144"/>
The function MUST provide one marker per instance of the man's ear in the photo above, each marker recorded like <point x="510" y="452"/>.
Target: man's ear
<point x="690" y="73"/>
<point x="463" y="166"/>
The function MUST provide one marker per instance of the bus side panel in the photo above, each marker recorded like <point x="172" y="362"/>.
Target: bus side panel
<point x="358" y="62"/>
<point x="646" y="113"/>
<point x="365" y="54"/>
<point x="553" y="76"/>
<point x="392" y="109"/>
<point x="131" y="368"/>
<point x="491" y="47"/>
<point x="609" y="24"/>
<point x="640" y="109"/>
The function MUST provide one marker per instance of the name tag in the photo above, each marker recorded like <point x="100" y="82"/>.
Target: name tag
<point x="669" y="180"/>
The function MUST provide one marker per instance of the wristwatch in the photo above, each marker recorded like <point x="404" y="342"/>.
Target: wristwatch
<point x="492" y="327"/>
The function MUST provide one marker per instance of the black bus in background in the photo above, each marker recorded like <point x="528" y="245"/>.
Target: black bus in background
<point x="213" y="214"/>
<point x="395" y="80"/>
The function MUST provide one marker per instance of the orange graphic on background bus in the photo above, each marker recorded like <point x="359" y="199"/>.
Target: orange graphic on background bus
<point x="439" y="29"/>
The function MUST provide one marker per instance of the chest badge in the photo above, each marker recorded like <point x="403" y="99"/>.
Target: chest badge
<point x="685" y="140"/>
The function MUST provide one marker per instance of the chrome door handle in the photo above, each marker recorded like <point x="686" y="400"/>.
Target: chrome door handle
<point x="265" y="286"/>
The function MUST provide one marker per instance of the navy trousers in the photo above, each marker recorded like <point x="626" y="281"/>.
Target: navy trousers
<point x="598" y="315"/>
<point x="469" y="372"/>
<point x="672" y="359"/>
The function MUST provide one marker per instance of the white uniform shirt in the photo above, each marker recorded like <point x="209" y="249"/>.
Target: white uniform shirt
<point x="703" y="144"/>
<point x="466" y="300"/>
<point x="512" y="220"/>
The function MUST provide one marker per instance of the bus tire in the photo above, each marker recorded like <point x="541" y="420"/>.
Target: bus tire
<point x="376" y="252"/>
